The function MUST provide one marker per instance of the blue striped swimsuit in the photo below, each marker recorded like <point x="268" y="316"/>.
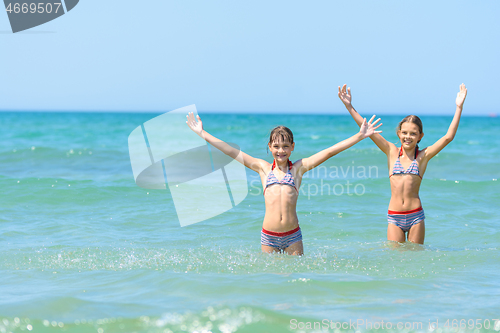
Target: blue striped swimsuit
<point x="412" y="169"/>
<point x="287" y="180"/>
<point x="280" y="240"/>
<point x="407" y="219"/>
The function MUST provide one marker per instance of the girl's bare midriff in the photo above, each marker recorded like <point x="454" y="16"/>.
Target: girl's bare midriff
<point x="404" y="192"/>
<point x="281" y="203"/>
<point x="405" y="187"/>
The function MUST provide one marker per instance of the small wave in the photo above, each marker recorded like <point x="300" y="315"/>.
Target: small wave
<point x="221" y="319"/>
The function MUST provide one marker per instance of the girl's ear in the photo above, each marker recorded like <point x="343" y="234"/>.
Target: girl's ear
<point x="293" y="146"/>
<point x="421" y="136"/>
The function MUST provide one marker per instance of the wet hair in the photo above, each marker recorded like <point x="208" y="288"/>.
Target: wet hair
<point x="414" y="120"/>
<point x="281" y="134"/>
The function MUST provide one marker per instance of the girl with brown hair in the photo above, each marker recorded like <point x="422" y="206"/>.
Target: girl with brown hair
<point x="407" y="166"/>
<point x="281" y="180"/>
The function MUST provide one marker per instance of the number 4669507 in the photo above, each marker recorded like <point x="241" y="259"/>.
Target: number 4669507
<point x="33" y="8"/>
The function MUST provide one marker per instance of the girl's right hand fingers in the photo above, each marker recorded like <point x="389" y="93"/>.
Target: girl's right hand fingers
<point x="376" y="121"/>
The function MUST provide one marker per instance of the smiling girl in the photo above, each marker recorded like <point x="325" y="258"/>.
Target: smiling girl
<point x="281" y="180"/>
<point x="407" y="166"/>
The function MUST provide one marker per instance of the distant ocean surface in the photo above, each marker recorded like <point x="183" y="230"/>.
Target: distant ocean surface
<point x="84" y="249"/>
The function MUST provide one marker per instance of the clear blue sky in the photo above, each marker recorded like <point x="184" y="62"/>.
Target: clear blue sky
<point x="398" y="56"/>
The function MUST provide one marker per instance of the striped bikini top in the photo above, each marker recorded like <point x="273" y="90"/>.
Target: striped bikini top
<point x="287" y="180"/>
<point x="412" y="169"/>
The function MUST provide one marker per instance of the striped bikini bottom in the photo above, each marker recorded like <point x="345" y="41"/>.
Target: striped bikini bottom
<point x="280" y="240"/>
<point x="406" y="220"/>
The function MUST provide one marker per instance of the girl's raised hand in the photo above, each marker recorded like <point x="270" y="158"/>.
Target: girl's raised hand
<point x="196" y="126"/>
<point x="368" y="128"/>
<point x="345" y="96"/>
<point x="461" y="96"/>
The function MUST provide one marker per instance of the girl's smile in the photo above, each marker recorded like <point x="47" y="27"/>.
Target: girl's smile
<point x="281" y="151"/>
<point x="409" y="134"/>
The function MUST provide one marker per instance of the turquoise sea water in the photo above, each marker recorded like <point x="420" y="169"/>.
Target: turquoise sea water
<point x="84" y="249"/>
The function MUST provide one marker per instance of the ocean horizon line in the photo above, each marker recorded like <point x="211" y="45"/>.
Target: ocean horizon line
<point x="209" y="112"/>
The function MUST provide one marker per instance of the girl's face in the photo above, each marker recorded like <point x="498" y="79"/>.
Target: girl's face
<point x="410" y="135"/>
<point x="281" y="150"/>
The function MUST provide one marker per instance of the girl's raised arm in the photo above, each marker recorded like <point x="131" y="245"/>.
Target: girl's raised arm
<point x="431" y="151"/>
<point x="366" y="129"/>
<point x="345" y="97"/>
<point x="250" y="162"/>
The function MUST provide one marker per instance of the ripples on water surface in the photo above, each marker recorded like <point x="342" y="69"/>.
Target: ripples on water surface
<point x="85" y="250"/>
